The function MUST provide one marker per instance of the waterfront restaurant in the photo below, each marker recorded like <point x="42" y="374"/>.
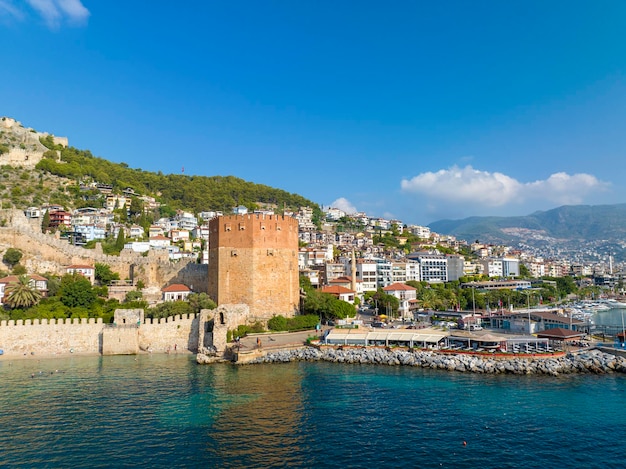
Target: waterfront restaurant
<point x="465" y="341"/>
<point x="434" y="339"/>
<point x="395" y="338"/>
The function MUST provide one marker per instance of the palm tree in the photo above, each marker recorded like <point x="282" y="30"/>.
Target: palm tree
<point x="21" y="294"/>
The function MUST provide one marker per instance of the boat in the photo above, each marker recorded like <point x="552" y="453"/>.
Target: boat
<point x="615" y="304"/>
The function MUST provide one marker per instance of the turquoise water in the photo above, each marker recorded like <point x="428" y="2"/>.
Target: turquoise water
<point x="166" y="411"/>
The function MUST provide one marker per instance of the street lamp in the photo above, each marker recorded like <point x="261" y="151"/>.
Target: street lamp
<point x="623" y="330"/>
<point x="473" y="301"/>
<point x="528" y="297"/>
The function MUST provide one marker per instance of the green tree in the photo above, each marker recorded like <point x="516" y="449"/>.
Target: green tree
<point x="45" y="222"/>
<point x="12" y="256"/>
<point x="104" y="275"/>
<point x="21" y="294"/>
<point x="305" y="283"/>
<point x="387" y="304"/>
<point x="136" y="207"/>
<point x="169" y="308"/>
<point x="326" y="306"/>
<point x="76" y="290"/>
<point x="54" y="284"/>
<point x="200" y="301"/>
<point x="121" y="240"/>
<point x="523" y="271"/>
<point x="133" y="296"/>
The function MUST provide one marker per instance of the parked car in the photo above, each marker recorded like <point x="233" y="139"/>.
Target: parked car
<point x="379" y="324"/>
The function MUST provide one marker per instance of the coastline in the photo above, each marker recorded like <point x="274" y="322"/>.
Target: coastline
<point x="588" y="361"/>
<point x="51" y="356"/>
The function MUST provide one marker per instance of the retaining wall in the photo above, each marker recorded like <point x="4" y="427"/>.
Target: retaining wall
<point x="91" y="336"/>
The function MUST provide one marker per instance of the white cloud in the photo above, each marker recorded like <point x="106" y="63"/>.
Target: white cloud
<point x="54" y="12"/>
<point x="566" y="189"/>
<point x="344" y="204"/>
<point x="481" y="188"/>
<point x="7" y="8"/>
<point x="74" y="9"/>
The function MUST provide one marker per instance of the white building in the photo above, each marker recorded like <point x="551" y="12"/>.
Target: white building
<point x="407" y="297"/>
<point x="86" y="271"/>
<point x="422" y="232"/>
<point x="186" y="221"/>
<point x="366" y="272"/>
<point x="176" y="292"/>
<point x="433" y="267"/>
<point x="334" y="213"/>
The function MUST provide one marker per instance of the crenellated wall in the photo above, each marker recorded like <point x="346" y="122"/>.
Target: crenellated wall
<point x="163" y="335"/>
<point x="50" y="336"/>
<point x="91" y="336"/>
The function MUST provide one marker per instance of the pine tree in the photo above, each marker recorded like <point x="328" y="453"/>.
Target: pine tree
<point x="121" y="240"/>
<point x="45" y="222"/>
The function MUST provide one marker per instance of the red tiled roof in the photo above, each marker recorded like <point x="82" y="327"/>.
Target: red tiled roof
<point x="341" y="280"/>
<point x="176" y="287"/>
<point x="337" y="290"/>
<point x="559" y="333"/>
<point x="9" y="279"/>
<point x="398" y="287"/>
<point x="14" y="278"/>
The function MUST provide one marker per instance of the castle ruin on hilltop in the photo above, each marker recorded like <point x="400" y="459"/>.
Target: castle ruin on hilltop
<point x="24" y="147"/>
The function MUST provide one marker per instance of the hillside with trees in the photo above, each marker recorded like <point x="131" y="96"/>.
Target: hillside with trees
<point x="193" y="193"/>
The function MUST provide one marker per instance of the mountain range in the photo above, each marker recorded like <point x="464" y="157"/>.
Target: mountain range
<point x="592" y="231"/>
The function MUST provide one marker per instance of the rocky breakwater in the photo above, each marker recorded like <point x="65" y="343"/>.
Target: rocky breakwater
<point x="590" y="361"/>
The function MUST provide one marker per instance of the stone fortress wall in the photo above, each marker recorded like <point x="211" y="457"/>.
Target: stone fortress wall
<point x="92" y="336"/>
<point x="48" y="253"/>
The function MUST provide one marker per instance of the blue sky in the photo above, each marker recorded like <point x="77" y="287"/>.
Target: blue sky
<point x="413" y="110"/>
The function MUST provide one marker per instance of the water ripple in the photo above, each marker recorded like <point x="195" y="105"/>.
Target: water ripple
<point x="166" y="411"/>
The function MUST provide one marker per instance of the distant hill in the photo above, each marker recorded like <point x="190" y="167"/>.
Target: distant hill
<point x="569" y="222"/>
<point x="40" y="168"/>
<point x="579" y="232"/>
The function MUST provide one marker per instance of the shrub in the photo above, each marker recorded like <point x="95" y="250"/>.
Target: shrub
<point x="277" y="323"/>
<point x="133" y="296"/>
<point x="243" y="330"/>
<point x="12" y="256"/>
<point x="297" y="323"/>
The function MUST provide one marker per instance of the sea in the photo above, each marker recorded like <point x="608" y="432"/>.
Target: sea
<point x="611" y="317"/>
<point x="166" y="411"/>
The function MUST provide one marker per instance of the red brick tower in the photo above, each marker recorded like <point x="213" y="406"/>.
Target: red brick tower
<point x="253" y="259"/>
